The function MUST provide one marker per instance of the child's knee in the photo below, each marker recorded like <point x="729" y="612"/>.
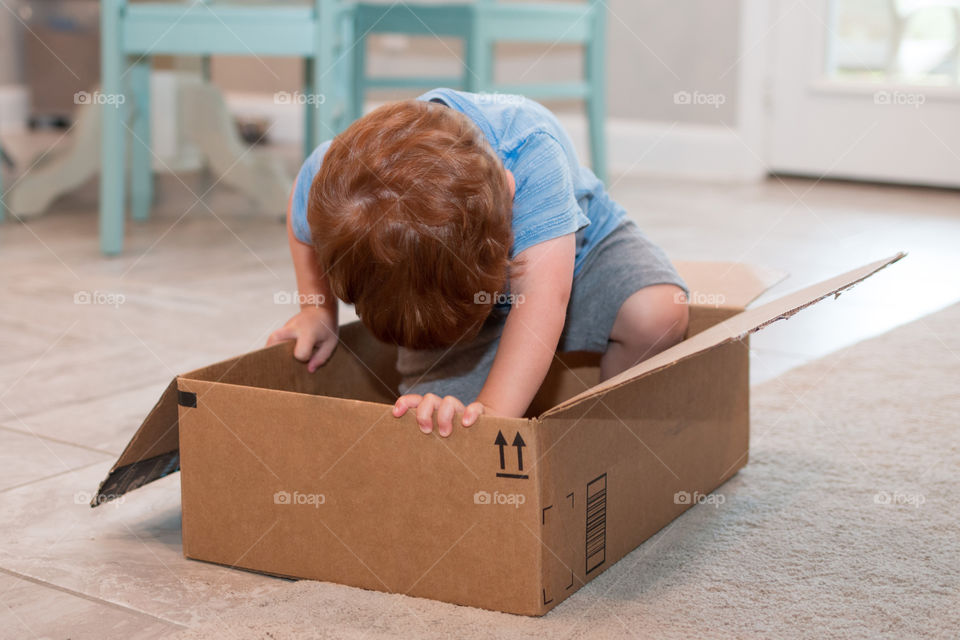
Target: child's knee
<point x="652" y="319"/>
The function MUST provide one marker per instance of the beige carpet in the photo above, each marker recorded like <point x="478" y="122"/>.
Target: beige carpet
<point x="846" y="523"/>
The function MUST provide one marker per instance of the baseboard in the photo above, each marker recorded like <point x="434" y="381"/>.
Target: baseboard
<point x="672" y="150"/>
<point x="634" y="147"/>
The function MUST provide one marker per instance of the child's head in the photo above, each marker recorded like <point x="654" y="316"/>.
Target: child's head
<point x="410" y="216"/>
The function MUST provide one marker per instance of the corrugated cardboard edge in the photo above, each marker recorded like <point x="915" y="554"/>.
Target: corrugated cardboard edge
<point x="541" y="607"/>
<point x="735" y="328"/>
<point x="126" y="476"/>
<point x="133" y="470"/>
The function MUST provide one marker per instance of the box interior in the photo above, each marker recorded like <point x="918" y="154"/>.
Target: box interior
<point x="364" y="369"/>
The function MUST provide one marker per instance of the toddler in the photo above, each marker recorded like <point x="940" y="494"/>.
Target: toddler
<point x="465" y="230"/>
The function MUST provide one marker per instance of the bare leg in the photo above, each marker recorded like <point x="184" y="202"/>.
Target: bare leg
<point x="650" y="321"/>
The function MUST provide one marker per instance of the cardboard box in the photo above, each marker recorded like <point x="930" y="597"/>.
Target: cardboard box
<point x="309" y="475"/>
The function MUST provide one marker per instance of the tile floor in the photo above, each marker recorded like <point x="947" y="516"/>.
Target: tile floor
<point x="75" y="379"/>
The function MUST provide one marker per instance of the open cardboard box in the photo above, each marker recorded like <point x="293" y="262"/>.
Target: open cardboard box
<point x="309" y="475"/>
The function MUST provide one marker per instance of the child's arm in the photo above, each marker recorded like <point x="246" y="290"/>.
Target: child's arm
<point x="530" y="336"/>
<point x="533" y="327"/>
<point x="316" y="327"/>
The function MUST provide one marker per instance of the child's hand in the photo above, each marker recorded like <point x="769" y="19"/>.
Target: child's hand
<point x="445" y="408"/>
<point x="316" y="331"/>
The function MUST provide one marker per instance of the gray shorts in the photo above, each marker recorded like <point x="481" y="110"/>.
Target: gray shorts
<point x="620" y="265"/>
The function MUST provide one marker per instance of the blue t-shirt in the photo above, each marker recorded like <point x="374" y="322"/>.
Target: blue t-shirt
<point x="555" y="194"/>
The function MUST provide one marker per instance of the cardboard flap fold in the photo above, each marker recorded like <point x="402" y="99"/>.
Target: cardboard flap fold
<point x="727" y="285"/>
<point x="153" y="452"/>
<point x="734" y="328"/>
<point x="360" y="368"/>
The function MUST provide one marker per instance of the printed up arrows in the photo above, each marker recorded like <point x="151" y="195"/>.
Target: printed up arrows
<point x="501" y="443"/>
<point x="519" y="444"/>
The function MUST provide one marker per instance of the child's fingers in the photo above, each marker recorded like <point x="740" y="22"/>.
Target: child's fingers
<point x="473" y="411"/>
<point x="448" y="407"/>
<point x="321" y="355"/>
<point x="285" y="333"/>
<point x="304" y="347"/>
<point x="425" y="411"/>
<point x="409" y="401"/>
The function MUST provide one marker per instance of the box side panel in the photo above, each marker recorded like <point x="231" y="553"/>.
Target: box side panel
<point x="340" y="490"/>
<point x="619" y="469"/>
<point x="575" y="372"/>
<point x="702" y="317"/>
<point x="732" y="329"/>
<point x="570" y="373"/>
<point x="733" y="285"/>
<point x="361" y="368"/>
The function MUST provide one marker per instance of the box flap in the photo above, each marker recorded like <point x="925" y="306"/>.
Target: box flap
<point x="360" y="367"/>
<point x="734" y="328"/>
<point x="153" y="452"/>
<point x="728" y="285"/>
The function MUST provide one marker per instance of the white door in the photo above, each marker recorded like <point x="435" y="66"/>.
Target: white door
<point x="866" y="89"/>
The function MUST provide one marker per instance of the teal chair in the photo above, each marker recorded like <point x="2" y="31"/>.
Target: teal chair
<point x="133" y="32"/>
<point x="483" y="23"/>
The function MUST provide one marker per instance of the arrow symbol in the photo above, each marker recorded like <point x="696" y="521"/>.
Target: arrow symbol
<point x="518" y="443"/>
<point x="501" y="442"/>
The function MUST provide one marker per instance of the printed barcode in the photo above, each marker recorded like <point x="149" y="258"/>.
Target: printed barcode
<point x="596" y="522"/>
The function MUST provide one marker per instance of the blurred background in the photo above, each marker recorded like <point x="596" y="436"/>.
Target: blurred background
<point x="729" y="89"/>
<point x="805" y="135"/>
<point x="147" y="150"/>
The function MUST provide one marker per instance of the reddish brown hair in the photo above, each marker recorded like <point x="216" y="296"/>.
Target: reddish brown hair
<point x="410" y="216"/>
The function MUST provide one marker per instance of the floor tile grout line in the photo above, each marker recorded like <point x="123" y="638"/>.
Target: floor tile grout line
<point x="89" y="598"/>
<point x="161" y="384"/>
<point x="51" y="476"/>
<point x="112" y="454"/>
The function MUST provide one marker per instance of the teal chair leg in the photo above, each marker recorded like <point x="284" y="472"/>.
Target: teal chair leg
<point x="358" y="87"/>
<point x="358" y="84"/>
<point x="478" y="76"/>
<point x="323" y="72"/>
<point x="352" y="63"/>
<point x="595" y="65"/>
<point x="112" y="134"/>
<point x="141" y="170"/>
<point x="344" y="76"/>
<point x="309" y="109"/>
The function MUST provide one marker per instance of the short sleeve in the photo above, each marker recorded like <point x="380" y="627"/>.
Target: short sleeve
<point x="545" y="204"/>
<point x="301" y="193"/>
